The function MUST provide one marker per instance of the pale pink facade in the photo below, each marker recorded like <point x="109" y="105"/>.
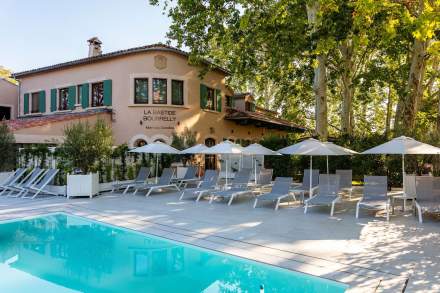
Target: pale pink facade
<point x="132" y="122"/>
<point x="8" y="99"/>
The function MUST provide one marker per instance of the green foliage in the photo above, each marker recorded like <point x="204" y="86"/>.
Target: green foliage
<point x="7" y="148"/>
<point x="85" y="145"/>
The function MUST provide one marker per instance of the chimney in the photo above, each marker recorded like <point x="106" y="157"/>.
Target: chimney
<point x="94" y="47"/>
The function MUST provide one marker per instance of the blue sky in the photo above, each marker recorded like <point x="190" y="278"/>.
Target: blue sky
<point x="37" y="33"/>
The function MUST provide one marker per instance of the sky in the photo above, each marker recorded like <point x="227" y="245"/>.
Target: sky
<point x="36" y="33"/>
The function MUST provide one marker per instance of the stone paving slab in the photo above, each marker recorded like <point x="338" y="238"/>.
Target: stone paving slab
<point x="369" y="254"/>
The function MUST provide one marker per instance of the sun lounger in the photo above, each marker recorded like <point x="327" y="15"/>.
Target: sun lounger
<point x="40" y="186"/>
<point x="17" y="190"/>
<point x="409" y="192"/>
<point x="239" y="186"/>
<point x="163" y="182"/>
<point x="328" y="193"/>
<point x="265" y="178"/>
<point x="345" y="181"/>
<point x="13" y="179"/>
<point x="142" y="176"/>
<point x="428" y="196"/>
<point x="190" y="176"/>
<point x="280" y="191"/>
<point x="208" y="184"/>
<point x="375" y="195"/>
<point x="305" y="185"/>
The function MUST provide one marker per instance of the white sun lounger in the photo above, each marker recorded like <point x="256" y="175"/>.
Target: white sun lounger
<point x="280" y="191"/>
<point x="190" y="176"/>
<point x="239" y="186"/>
<point x="17" y="190"/>
<point x="208" y="184"/>
<point x="142" y="176"/>
<point x="345" y="181"/>
<point x="328" y="193"/>
<point x="428" y="197"/>
<point x="375" y="195"/>
<point x="13" y="179"/>
<point x="40" y="186"/>
<point x="305" y="185"/>
<point x="163" y="182"/>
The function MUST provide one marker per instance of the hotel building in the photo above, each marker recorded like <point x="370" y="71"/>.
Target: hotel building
<point x="144" y="93"/>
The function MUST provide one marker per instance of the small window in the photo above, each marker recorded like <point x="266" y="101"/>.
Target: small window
<point x="141" y="90"/>
<point x="210" y="100"/>
<point x="97" y="94"/>
<point x="35" y="103"/>
<point x="177" y="92"/>
<point x="159" y="91"/>
<point x="229" y="102"/>
<point x="79" y="92"/>
<point x="63" y="99"/>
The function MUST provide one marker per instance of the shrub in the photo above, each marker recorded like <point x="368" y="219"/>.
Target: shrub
<point x="7" y="148"/>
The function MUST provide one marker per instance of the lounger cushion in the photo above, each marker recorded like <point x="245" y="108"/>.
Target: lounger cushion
<point x="322" y="200"/>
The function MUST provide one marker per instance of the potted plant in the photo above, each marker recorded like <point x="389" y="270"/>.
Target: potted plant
<point x="84" y="147"/>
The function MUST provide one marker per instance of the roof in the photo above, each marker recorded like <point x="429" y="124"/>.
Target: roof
<point x="106" y="56"/>
<point x="259" y="119"/>
<point x="35" y="121"/>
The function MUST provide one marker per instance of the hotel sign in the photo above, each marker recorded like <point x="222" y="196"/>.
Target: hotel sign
<point x="156" y="115"/>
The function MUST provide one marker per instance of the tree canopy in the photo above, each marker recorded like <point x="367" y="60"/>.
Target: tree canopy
<point x="349" y="68"/>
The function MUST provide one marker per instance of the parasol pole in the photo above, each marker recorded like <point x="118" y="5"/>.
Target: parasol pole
<point x="157" y="165"/>
<point x="310" y="177"/>
<point x="327" y="165"/>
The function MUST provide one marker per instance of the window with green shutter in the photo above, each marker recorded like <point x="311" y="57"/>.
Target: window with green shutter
<point x="107" y="92"/>
<point x="218" y="94"/>
<point x="42" y="102"/>
<point x="85" y="95"/>
<point x="177" y="92"/>
<point x="203" y="96"/>
<point x="53" y="100"/>
<point x="35" y="102"/>
<point x="72" y="97"/>
<point x="26" y="104"/>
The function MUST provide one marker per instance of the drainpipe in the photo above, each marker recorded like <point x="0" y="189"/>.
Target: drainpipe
<point x="18" y="104"/>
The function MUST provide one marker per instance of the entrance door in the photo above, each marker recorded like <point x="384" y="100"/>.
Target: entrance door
<point x="210" y="160"/>
<point x="5" y="113"/>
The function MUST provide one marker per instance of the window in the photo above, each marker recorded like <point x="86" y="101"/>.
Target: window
<point x="177" y="92"/>
<point x="97" y="94"/>
<point x="63" y="99"/>
<point x="141" y="90"/>
<point x="159" y="91"/>
<point x="79" y="94"/>
<point x="210" y="99"/>
<point x="35" y="103"/>
<point x="229" y="102"/>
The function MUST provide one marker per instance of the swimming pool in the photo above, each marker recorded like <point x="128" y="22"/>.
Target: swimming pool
<point x="64" y="253"/>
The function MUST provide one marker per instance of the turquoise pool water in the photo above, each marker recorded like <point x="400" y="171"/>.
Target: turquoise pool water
<point x="63" y="253"/>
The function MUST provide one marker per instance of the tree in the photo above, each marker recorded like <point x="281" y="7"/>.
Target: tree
<point x="85" y="145"/>
<point x="7" y="148"/>
<point x="6" y="74"/>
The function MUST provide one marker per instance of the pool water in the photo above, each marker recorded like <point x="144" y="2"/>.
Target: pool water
<point x="63" y="253"/>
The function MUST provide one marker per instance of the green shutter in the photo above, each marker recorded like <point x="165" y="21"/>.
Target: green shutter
<point x="53" y="100"/>
<point x="218" y="94"/>
<point x="26" y="104"/>
<point x="71" y="98"/>
<point x="85" y="95"/>
<point x="107" y="92"/>
<point x="203" y="96"/>
<point x="42" y="102"/>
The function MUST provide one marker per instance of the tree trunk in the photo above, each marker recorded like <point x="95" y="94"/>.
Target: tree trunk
<point x="319" y="80"/>
<point x="389" y="111"/>
<point x="414" y="88"/>
<point x="347" y="121"/>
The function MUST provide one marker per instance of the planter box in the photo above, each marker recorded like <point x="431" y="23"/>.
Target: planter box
<point x="82" y="185"/>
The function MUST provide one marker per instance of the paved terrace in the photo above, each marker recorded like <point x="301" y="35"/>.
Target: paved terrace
<point x="369" y="254"/>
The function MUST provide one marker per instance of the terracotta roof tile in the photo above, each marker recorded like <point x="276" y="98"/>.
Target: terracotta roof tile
<point x="88" y="60"/>
<point x="34" y="121"/>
